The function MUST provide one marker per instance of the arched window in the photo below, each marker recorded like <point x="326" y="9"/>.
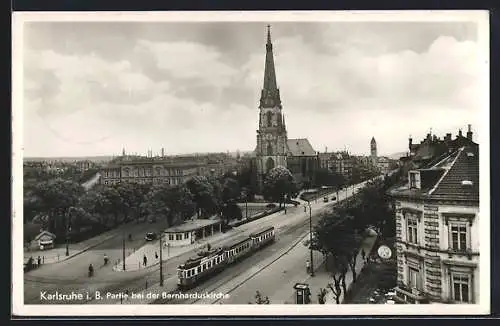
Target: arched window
<point x="269" y="119"/>
<point x="269" y="149"/>
<point x="269" y="164"/>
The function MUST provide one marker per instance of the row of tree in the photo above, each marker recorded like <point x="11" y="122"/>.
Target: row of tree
<point x="62" y="205"/>
<point x="340" y="233"/>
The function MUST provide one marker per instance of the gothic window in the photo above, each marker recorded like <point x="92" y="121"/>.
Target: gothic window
<point x="269" y="164"/>
<point x="269" y="149"/>
<point x="269" y="119"/>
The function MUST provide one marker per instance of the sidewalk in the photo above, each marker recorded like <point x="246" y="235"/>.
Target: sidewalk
<point x="134" y="259"/>
<point x="58" y="254"/>
<point x="322" y="277"/>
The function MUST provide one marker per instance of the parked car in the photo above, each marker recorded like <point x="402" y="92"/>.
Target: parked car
<point x="150" y="236"/>
<point x="325" y="200"/>
<point x="334" y="198"/>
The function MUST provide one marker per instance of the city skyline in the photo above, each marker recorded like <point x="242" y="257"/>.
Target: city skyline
<point x="95" y="88"/>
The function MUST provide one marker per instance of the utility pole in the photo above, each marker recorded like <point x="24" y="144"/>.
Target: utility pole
<point x="68" y="229"/>
<point x="161" y="259"/>
<point x="310" y="238"/>
<point x="123" y="251"/>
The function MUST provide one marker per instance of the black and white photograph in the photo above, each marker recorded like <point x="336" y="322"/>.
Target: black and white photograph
<point x="250" y="163"/>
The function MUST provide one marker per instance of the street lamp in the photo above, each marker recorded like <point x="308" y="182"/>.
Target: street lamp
<point x="68" y="229"/>
<point x="310" y="238"/>
<point x="161" y="259"/>
<point x="123" y="252"/>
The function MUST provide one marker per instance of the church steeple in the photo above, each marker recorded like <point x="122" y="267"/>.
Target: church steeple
<point x="270" y="96"/>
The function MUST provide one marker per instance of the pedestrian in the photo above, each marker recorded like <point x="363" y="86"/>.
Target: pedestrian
<point x="308" y="266"/>
<point x="39" y="261"/>
<point x="363" y="254"/>
<point x="156" y="255"/>
<point x="145" y="260"/>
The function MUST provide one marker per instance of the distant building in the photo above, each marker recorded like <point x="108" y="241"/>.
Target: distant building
<point x="173" y="170"/>
<point x="373" y="151"/>
<point x="437" y="222"/>
<point x="338" y="162"/>
<point x="273" y="146"/>
<point x="384" y="164"/>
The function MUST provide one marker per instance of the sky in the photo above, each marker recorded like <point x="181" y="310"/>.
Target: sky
<point x="94" y="88"/>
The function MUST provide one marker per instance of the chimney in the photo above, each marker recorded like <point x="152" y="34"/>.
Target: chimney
<point x="469" y="133"/>
<point x="410" y="140"/>
<point x="162" y="152"/>
<point x="448" y="137"/>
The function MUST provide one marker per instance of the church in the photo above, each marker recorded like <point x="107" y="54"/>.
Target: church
<point x="274" y="148"/>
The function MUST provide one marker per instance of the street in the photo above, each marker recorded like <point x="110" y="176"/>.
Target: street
<point x="71" y="275"/>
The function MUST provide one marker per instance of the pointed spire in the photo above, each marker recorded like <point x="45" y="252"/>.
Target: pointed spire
<point x="270" y="93"/>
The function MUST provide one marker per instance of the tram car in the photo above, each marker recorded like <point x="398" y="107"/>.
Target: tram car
<point x="209" y="263"/>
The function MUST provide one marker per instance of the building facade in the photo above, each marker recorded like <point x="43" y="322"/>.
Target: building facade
<point x="339" y="162"/>
<point x="437" y="229"/>
<point x="170" y="170"/>
<point x="273" y="146"/>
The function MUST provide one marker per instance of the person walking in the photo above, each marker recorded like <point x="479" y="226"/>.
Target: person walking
<point x="363" y="255"/>
<point x="39" y="261"/>
<point x="145" y="260"/>
<point x="156" y="255"/>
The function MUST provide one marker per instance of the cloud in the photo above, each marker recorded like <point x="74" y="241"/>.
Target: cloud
<point x="338" y="89"/>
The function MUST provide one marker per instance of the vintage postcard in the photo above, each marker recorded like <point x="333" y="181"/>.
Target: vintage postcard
<point x="251" y="163"/>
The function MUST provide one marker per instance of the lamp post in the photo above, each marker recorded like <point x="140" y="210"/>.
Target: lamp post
<point x="123" y="252"/>
<point x="68" y="229"/>
<point x="310" y="238"/>
<point x="161" y="259"/>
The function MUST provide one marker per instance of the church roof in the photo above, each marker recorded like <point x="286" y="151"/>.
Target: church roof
<point x="300" y="147"/>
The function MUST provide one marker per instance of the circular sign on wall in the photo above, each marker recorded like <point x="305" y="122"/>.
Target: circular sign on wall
<point x="384" y="252"/>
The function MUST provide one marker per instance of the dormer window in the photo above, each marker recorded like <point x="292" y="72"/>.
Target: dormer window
<point x="413" y="180"/>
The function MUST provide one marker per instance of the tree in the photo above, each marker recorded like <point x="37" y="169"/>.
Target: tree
<point x="54" y="199"/>
<point x="156" y="203"/>
<point x="326" y="177"/>
<point x="203" y="195"/>
<point x="96" y="205"/>
<point x="335" y="237"/>
<point x="280" y="185"/>
<point x="231" y="190"/>
<point x="116" y="205"/>
<point x="180" y="202"/>
<point x="230" y="212"/>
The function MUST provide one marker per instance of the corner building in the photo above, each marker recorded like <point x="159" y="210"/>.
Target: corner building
<point x="437" y="229"/>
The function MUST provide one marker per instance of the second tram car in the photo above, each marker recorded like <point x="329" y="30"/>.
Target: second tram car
<point x="208" y="263"/>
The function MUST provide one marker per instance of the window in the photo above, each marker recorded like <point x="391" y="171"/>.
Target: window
<point x="186" y="235"/>
<point x="269" y="149"/>
<point x="198" y="269"/>
<point x="178" y="237"/>
<point x="458" y="236"/>
<point x="461" y="287"/>
<point x="412" y="232"/>
<point x="413" y="180"/>
<point x="269" y="118"/>
<point x="170" y="237"/>
<point x="414" y="278"/>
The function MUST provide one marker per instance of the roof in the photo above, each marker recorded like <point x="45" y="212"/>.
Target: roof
<point x="45" y="233"/>
<point x="443" y="181"/>
<point x="464" y="168"/>
<point x="300" y="147"/>
<point x="192" y="225"/>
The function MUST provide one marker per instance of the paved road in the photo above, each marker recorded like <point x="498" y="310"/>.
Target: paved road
<point x="288" y="235"/>
<point x="71" y="275"/>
